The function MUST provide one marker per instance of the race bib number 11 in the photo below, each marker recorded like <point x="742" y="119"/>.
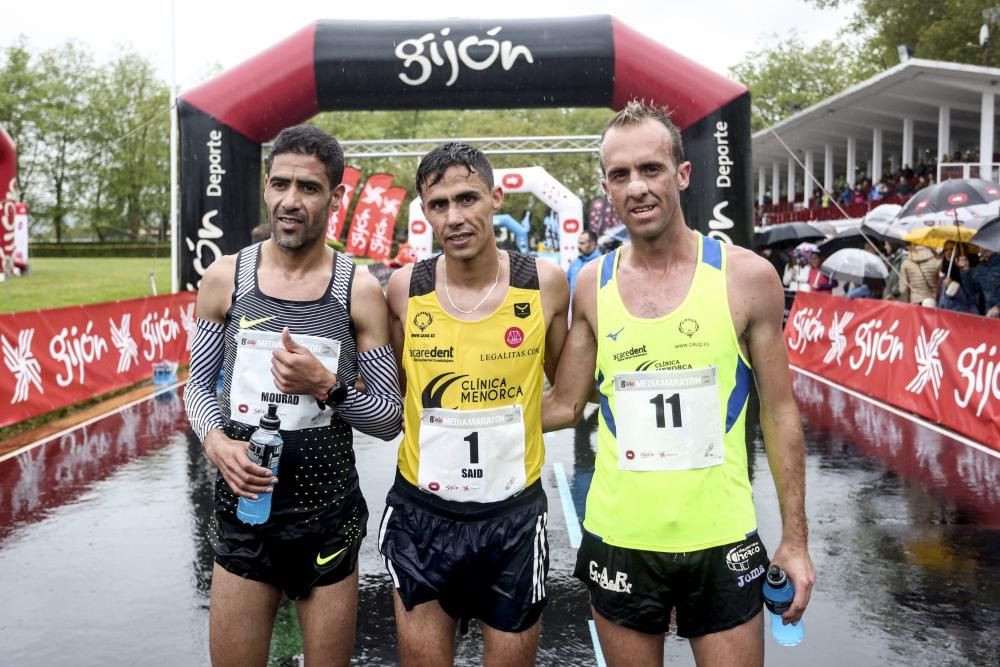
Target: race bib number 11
<point x="668" y="420"/>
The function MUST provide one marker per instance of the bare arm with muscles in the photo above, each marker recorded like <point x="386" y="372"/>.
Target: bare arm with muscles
<point x="757" y="303"/>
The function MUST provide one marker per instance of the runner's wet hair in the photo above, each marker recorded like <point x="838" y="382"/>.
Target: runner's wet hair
<point x="310" y="140"/>
<point x="436" y="163"/>
<point x="637" y="112"/>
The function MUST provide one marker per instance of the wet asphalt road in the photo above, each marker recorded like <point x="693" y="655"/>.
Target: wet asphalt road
<point x="103" y="559"/>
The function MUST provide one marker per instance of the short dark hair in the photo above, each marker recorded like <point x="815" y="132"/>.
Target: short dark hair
<point x="592" y="235"/>
<point x="637" y="112"/>
<point x="310" y="140"/>
<point x="436" y="163"/>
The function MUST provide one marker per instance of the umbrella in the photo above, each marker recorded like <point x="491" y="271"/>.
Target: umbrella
<point x="988" y="236"/>
<point x="854" y="265"/>
<point x="882" y="213"/>
<point x="884" y="231"/>
<point x="936" y="237"/>
<point x="789" y="234"/>
<point x="854" y="237"/>
<point x="804" y="249"/>
<point x="949" y="195"/>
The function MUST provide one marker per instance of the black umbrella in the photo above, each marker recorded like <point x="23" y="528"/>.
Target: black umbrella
<point x="853" y="237"/>
<point x="988" y="236"/>
<point x="788" y="234"/>
<point x="956" y="193"/>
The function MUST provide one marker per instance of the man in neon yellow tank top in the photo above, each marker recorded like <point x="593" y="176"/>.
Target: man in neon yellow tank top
<point x="675" y="327"/>
<point x="475" y="329"/>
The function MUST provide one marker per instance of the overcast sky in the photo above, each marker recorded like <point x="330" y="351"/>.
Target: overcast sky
<point x="715" y="33"/>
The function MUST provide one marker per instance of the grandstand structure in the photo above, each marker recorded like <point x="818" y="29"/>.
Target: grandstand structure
<point x="919" y="110"/>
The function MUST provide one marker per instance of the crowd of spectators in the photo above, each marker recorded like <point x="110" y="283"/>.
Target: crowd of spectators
<point x="953" y="278"/>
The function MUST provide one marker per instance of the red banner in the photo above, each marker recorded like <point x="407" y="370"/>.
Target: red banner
<point x="54" y="358"/>
<point x="335" y="226"/>
<point x="380" y="247"/>
<point x="941" y="365"/>
<point x="366" y="213"/>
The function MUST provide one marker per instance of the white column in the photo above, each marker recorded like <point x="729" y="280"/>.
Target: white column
<point x="907" y="158"/>
<point x="807" y="181"/>
<point x="944" y="134"/>
<point x="761" y="185"/>
<point x="791" y="180"/>
<point x="876" y="170"/>
<point x="852" y="160"/>
<point x="828" y="170"/>
<point x="986" y="137"/>
<point x="776" y="182"/>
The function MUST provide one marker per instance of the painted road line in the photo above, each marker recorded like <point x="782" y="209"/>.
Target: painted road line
<point x="90" y="421"/>
<point x="569" y="511"/>
<point x="901" y="413"/>
<point x="598" y="653"/>
<point x="573" y="528"/>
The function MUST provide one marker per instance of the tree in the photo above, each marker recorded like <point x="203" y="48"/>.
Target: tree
<point x="789" y="76"/>
<point x="941" y="30"/>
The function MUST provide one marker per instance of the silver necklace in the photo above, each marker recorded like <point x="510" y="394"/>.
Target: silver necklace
<point x="447" y="293"/>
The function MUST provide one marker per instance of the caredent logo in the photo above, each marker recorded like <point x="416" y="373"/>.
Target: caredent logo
<point x="630" y="353"/>
<point x="420" y="66"/>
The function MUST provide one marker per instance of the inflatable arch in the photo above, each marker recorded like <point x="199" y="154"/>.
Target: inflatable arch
<point x="593" y="61"/>
<point x="534" y="180"/>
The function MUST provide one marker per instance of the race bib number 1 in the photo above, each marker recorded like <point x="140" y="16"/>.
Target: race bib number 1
<point x="668" y="420"/>
<point x="472" y="455"/>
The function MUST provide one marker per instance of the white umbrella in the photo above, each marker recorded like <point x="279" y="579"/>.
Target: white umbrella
<point x="854" y="265"/>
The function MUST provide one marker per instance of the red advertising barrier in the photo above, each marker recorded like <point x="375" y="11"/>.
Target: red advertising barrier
<point x="53" y="358"/>
<point x="941" y="365"/>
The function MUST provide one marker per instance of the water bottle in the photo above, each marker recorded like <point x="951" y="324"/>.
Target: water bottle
<point x="264" y="450"/>
<point x="778" y="594"/>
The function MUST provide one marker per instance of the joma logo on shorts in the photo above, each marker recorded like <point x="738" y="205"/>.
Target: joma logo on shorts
<point x="600" y="577"/>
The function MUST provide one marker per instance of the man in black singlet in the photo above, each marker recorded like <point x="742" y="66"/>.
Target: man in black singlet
<point x="261" y="315"/>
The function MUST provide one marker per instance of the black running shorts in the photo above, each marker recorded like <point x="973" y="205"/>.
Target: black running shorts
<point x="478" y="560"/>
<point x="713" y="590"/>
<point x="324" y="552"/>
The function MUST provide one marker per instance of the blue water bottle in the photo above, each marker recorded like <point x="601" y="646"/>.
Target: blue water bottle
<point x="778" y="594"/>
<point x="264" y="450"/>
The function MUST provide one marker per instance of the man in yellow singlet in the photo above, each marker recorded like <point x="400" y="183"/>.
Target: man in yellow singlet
<point x="675" y="327"/>
<point x="476" y="329"/>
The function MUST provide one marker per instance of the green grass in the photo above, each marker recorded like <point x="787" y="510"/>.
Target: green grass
<point x="68" y="281"/>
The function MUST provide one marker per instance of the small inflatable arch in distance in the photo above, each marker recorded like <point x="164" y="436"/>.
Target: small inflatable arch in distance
<point x="534" y="180"/>
<point x="593" y="61"/>
<point x="519" y="230"/>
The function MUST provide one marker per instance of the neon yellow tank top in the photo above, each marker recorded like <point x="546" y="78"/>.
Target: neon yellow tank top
<point x="477" y="365"/>
<point x="671" y="510"/>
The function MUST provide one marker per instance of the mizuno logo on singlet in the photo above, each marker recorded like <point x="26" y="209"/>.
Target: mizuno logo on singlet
<point x="323" y="560"/>
<point x="614" y="336"/>
<point x="247" y="324"/>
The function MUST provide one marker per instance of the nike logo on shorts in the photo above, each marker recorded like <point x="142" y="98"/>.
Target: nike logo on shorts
<point x="323" y="560"/>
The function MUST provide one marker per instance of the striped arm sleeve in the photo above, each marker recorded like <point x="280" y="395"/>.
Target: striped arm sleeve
<point x="200" y="401"/>
<point x="379" y="411"/>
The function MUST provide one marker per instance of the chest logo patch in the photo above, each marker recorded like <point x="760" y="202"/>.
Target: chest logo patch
<point x="522" y="310"/>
